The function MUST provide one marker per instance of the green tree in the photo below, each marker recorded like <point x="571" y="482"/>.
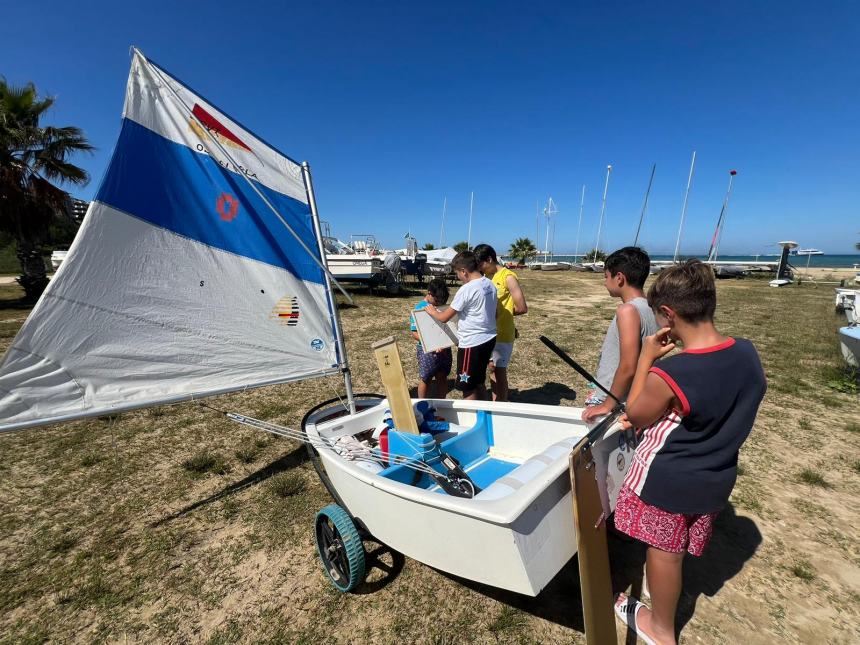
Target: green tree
<point x="33" y="158"/>
<point x="522" y="249"/>
<point x="594" y="255"/>
<point x="429" y="246"/>
<point x="461" y="246"/>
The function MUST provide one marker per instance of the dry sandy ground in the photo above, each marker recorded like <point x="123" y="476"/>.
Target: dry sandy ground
<point x="172" y="525"/>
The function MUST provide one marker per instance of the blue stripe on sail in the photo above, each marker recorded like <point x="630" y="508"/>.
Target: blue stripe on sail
<point x="189" y="193"/>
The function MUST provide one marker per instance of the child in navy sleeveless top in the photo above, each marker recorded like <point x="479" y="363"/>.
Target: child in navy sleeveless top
<point x="696" y="407"/>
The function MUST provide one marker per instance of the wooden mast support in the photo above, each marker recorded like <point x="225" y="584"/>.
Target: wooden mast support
<point x="593" y="553"/>
<point x="394" y="381"/>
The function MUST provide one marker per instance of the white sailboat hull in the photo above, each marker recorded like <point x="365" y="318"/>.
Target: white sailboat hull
<point x="849" y="342"/>
<point x="517" y="542"/>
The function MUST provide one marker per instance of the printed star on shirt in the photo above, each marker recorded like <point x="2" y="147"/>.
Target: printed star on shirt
<point x="464" y="377"/>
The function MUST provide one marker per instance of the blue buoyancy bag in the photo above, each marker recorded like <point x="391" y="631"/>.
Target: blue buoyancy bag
<point x="402" y="444"/>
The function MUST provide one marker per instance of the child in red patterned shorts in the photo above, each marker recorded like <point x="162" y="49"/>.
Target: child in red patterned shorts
<point x="696" y="407"/>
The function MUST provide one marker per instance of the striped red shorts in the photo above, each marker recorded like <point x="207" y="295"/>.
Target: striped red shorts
<point x="672" y="532"/>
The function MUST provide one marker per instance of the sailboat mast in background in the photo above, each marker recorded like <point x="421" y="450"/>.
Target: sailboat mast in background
<point x="684" y="208"/>
<point x="644" y="205"/>
<point x="721" y="221"/>
<point x="602" y="211"/>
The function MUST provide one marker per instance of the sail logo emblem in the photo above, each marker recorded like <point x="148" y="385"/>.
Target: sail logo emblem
<point x="317" y="344"/>
<point x="205" y="125"/>
<point x="286" y="311"/>
<point x="227" y="207"/>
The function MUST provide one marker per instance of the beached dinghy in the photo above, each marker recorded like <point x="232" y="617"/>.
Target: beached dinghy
<point x="517" y="532"/>
<point x="200" y="269"/>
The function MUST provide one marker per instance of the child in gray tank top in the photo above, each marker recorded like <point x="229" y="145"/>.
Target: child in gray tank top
<point x="625" y="272"/>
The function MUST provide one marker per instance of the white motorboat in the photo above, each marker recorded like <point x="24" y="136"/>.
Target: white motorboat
<point x="808" y="252"/>
<point x="439" y="261"/>
<point x="348" y="265"/>
<point x="487" y="498"/>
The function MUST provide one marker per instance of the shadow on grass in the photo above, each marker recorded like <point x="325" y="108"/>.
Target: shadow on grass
<point x="559" y="602"/>
<point x="549" y="394"/>
<point x="19" y="304"/>
<point x="382" y="564"/>
<point x="287" y="462"/>
<point x="735" y="540"/>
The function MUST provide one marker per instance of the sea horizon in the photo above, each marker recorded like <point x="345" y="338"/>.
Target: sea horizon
<point x="835" y="261"/>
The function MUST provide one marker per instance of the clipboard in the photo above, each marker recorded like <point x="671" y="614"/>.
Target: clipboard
<point x="435" y="335"/>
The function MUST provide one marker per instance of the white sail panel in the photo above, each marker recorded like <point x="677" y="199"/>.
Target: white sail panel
<point x="181" y="283"/>
<point x="163" y="105"/>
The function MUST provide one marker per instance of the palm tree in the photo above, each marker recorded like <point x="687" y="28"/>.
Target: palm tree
<point x="428" y="247"/>
<point x="522" y="249"/>
<point x="595" y="255"/>
<point x="461" y="246"/>
<point x="32" y="159"/>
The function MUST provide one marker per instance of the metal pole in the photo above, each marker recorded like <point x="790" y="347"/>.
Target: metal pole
<point x="442" y="232"/>
<point x="537" y="223"/>
<point x="645" y="205"/>
<point x="471" y="207"/>
<point x="721" y="222"/>
<point x="602" y="211"/>
<point x="338" y="330"/>
<point x="546" y="237"/>
<point x="684" y="208"/>
<point x="579" y="226"/>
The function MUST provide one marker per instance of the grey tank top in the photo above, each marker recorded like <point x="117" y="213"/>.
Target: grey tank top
<point x="610" y="353"/>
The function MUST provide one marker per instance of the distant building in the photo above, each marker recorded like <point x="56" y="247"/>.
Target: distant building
<point x="79" y="209"/>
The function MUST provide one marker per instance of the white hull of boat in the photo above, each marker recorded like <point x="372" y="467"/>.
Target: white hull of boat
<point x="354" y="268"/>
<point x="848" y="302"/>
<point x="518" y="541"/>
<point x="780" y="283"/>
<point x="849" y="341"/>
<point x="554" y="266"/>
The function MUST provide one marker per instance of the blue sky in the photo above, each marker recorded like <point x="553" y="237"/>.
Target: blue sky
<point x="397" y="105"/>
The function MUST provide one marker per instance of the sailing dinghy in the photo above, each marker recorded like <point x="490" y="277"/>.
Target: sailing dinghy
<point x="200" y="269"/>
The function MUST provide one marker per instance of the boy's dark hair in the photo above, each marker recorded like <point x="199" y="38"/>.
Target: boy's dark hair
<point x="438" y="289"/>
<point x="632" y="261"/>
<point x="465" y="260"/>
<point x="687" y="288"/>
<point x="485" y="253"/>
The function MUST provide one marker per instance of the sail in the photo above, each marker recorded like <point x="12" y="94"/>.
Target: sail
<point x="190" y="275"/>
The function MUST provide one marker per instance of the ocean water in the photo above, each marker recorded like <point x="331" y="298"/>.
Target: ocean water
<point x="798" y="261"/>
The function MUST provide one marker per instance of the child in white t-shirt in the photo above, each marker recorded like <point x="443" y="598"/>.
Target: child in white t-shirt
<point x="475" y="305"/>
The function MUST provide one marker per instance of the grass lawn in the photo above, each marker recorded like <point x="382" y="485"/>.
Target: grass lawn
<point x="173" y="524"/>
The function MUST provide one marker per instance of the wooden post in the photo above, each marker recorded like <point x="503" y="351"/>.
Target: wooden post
<point x="394" y="381"/>
<point x="593" y="552"/>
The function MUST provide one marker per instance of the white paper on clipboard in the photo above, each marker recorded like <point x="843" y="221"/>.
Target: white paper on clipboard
<point x="435" y="335"/>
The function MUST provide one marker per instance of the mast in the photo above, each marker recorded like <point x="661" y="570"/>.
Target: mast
<point x="684" y="207"/>
<point x="549" y="211"/>
<point x="644" y="205"/>
<point x="602" y="211"/>
<point x="721" y="221"/>
<point x="537" y="222"/>
<point x="579" y="226"/>
<point x="471" y="208"/>
<point x="332" y="304"/>
<point x="442" y="232"/>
